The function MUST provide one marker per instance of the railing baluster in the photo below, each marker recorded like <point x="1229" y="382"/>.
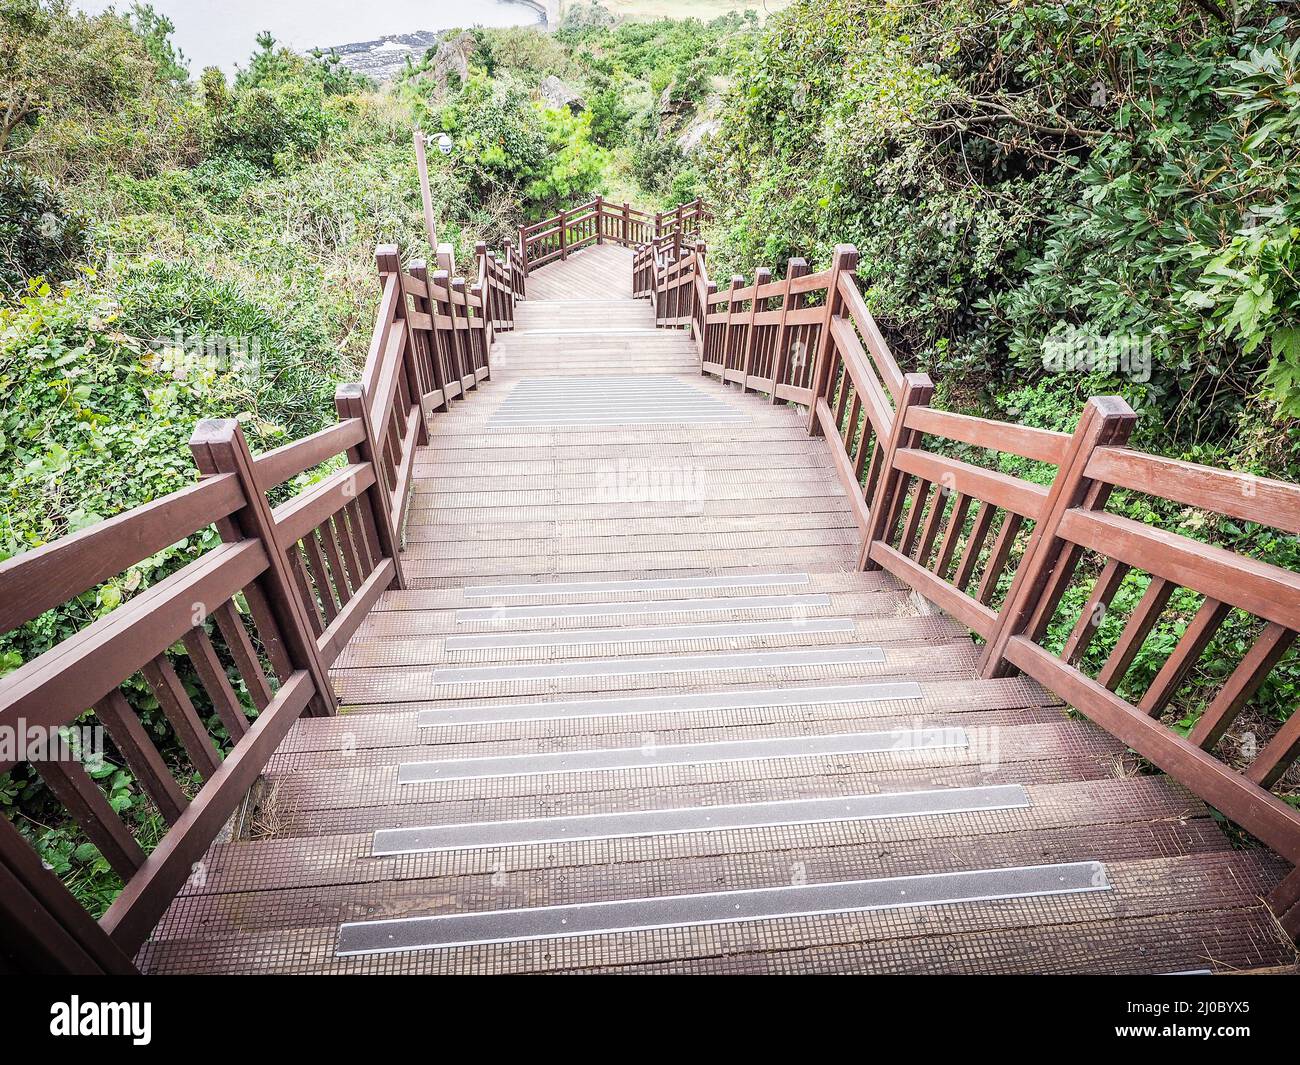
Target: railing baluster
<point x="1045" y="571"/>
<point x="219" y="447"/>
<point x="845" y="260"/>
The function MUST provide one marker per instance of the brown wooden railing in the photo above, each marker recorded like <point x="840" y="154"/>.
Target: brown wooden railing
<point x="1000" y="553"/>
<point x="269" y="610"/>
<point x="596" y="222"/>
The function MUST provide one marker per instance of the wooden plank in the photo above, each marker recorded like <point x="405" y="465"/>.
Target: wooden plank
<point x="303" y="513"/>
<point x="180" y="713"/>
<point x="277" y="466"/>
<point x="1041" y="445"/>
<point x="843" y="467"/>
<point x="1278" y="754"/>
<point x="881" y="357"/>
<point x="974" y="545"/>
<point x="998" y="559"/>
<point x="241" y="650"/>
<point x="1266" y="591"/>
<point x="1139" y="626"/>
<point x="68" y="780"/>
<point x="212" y="673"/>
<point x="51" y="690"/>
<point x="141" y="756"/>
<point x="864" y="377"/>
<point x="1196" y="637"/>
<point x="45" y="577"/>
<point x="1239" y="495"/>
<point x="1250" y="673"/>
<point x="990" y="486"/>
<point x="1094" y="611"/>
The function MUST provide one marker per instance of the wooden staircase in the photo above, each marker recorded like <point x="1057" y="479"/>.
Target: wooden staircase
<point x="639" y="709"/>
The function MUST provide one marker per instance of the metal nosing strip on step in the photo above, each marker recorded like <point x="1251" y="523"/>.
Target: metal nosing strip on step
<point x="637" y="665"/>
<point x="640" y="823"/>
<point x="628" y="706"/>
<point x="642" y="606"/>
<point x="649" y="757"/>
<point x="571" y="424"/>
<point x="755" y="580"/>
<point x="719" y="630"/>
<point x="719" y="907"/>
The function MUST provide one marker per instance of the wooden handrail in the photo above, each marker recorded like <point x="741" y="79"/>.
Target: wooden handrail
<point x="597" y="221"/>
<point x="999" y="552"/>
<point x="307" y="572"/>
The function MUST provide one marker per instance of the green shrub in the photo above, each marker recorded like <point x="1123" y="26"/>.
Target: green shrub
<point x="39" y="237"/>
<point x="267" y="125"/>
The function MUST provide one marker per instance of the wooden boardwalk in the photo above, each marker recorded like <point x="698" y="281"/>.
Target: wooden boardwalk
<point x="637" y="666"/>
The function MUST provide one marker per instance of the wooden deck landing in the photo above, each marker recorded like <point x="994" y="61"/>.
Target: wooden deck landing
<point x="651" y="554"/>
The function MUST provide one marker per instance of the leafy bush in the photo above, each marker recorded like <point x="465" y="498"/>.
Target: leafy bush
<point x="571" y="170"/>
<point x="97" y="90"/>
<point x="1022" y="176"/>
<point x="38" y="236"/>
<point x="266" y="125"/>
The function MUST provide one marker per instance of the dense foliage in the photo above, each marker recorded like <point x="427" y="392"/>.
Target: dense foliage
<point x="1022" y="175"/>
<point x="1053" y="200"/>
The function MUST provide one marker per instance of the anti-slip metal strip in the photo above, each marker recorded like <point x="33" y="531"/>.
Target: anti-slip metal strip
<point x="638" y="665"/>
<point x="629" y="706"/>
<point x="707" y="631"/>
<point x="642" y="606"/>
<point x="650" y="756"/>
<point x="698" y="819"/>
<point x="618" y="419"/>
<point x="748" y="580"/>
<point x="722" y="907"/>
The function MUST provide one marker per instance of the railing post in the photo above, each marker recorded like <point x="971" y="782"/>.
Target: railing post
<point x="781" y="356"/>
<point x="762" y="276"/>
<point x="44" y="930"/>
<point x="600" y="219"/>
<point x="455" y="358"/>
<point x="350" y="402"/>
<point x="427" y="347"/>
<point x="389" y="262"/>
<point x="627" y="218"/>
<point x="485" y="327"/>
<point x="659" y="224"/>
<point x="710" y="289"/>
<point x="489" y="294"/>
<point x="736" y="282"/>
<point x="1049" y="561"/>
<point x="458" y="289"/>
<point x="218" y="446"/>
<point x="564" y="236"/>
<point x="917" y="392"/>
<point x="523" y="250"/>
<point x="845" y="260"/>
